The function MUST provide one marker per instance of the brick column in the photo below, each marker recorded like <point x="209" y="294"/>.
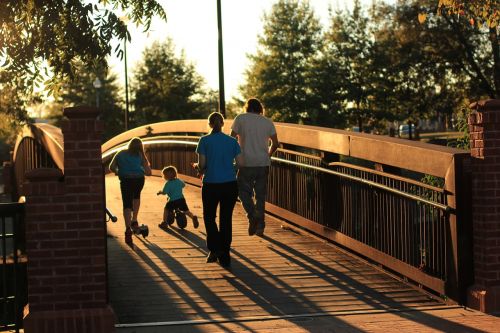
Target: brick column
<point x="66" y="236"/>
<point x="484" y="128"/>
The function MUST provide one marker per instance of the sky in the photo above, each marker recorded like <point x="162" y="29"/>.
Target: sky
<point x="192" y="25"/>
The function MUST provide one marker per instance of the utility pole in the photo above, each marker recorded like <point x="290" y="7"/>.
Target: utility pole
<point x="222" y="101"/>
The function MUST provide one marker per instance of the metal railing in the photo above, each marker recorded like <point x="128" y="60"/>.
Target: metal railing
<point x="401" y="218"/>
<point x="399" y="222"/>
<point x="13" y="293"/>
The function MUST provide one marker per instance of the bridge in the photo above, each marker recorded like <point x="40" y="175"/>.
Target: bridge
<point x="356" y="240"/>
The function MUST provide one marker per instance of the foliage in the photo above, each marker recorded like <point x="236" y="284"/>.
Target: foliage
<point x="432" y="67"/>
<point x="462" y="126"/>
<point x="60" y="32"/>
<point x="366" y="70"/>
<point x="280" y="69"/>
<point x="80" y="91"/>
<point x="477" y="11"/>
<point x="167" y="87"/>
<point x="14" y="98"/>
<point x="346" y="67"/>
<point x="9" y="128"/>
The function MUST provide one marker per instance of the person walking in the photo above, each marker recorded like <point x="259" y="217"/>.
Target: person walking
<point x="131" y="165"/>
<point x="258" y="139"/>
<point x="217" y="153"/>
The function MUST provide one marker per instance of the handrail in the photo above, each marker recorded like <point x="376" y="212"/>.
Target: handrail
<point x="385" y="174"/>
<point x="443" y="207"/>
<point x="49" y="136"/>
<point x="411" y="155"/>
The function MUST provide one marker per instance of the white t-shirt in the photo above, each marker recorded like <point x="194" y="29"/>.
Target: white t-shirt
<point x="254" y="131"/>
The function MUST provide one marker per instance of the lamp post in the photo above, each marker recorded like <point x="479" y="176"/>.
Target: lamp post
<point x="125" y="19"/>
<point x="126" y="83"/>
<point x="97" y="85"/>
<point x="222" y="101"/>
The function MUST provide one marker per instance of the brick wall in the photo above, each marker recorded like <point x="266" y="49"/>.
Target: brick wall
<point x="66" y="235"/>
<point x="484" y="128"/>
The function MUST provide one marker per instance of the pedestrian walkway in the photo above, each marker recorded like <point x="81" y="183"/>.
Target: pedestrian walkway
<point x="286" y="281"/>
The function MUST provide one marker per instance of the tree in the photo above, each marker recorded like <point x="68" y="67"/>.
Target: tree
<point x="280" y="69"/>
<point x="479" y="12"/>
<point x="80" y="91"/>
<point x="431" y="66"/>
<point x="61" y="31"/>
<point x="347" y="59"/>
<point x="166" y="87"/>
<point x="483" y="15"/>
<point x="41" y="39"/>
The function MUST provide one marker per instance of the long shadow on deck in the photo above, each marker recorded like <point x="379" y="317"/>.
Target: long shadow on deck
<point x="250" y="289"/>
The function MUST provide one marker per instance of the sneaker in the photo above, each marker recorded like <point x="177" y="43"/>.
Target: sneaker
<point x="225" y="259"/>
<point x="163" y="225"/>
<point x="252" y="226"/>
<point x="128" y="238"/>
<point x="195" y="222"/>
<point x="259" y="230"/>
<point x="212" y="257"/>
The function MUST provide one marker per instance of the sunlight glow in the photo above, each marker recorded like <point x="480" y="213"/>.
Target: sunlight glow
<point x="192" y="25"/>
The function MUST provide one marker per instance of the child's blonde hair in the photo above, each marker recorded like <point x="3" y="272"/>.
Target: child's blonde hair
<point x="168" y="169"/>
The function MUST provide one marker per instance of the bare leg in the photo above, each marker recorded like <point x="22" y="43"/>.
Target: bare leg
<point x="165" y="215"/>
<point x="127" y="215"/>
<point x="188" y="213"/>
<point x="193" y="217"/>
<point x="136" y="204"/>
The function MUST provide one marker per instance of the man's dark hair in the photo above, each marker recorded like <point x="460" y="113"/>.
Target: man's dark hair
<point x="254" y="105"/>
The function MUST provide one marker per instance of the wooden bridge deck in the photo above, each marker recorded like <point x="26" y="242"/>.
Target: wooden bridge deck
<point x="286" y="281"/>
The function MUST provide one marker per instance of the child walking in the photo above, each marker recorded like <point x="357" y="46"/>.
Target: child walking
<point x="173" y="189"/>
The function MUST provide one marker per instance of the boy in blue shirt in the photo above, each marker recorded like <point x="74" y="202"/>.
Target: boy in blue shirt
<point x="173" y="189"/>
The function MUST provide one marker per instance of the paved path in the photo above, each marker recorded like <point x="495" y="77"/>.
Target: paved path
<point x="286" y="281"/>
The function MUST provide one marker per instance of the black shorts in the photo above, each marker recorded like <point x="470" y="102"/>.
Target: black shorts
<point x="131" y="190"/>
<point x="177" y="204"/>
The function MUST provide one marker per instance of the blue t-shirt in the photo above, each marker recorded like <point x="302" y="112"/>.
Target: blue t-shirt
<point x="173" y="189"/>
<point x="129" y="165"/>
<point x="220" y="151"/>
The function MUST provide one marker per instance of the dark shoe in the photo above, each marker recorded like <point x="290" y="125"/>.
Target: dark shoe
<point x="252" y="226"/>
<point x="212" y="257"/>
<point x="225" y="260"/>
<point x="128" y="238"/>
<point x="163" y="225"/>
<point x="196" y="224"/>
<point x="259" y="231"/>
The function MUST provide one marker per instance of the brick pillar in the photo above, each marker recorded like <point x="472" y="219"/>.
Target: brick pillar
<point x="66" y="236"/>
<point x="484" y="128"/>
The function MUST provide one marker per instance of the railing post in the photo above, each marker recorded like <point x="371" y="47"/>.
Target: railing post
<point x="66" y="236"/>
<point x="484" y="128"/>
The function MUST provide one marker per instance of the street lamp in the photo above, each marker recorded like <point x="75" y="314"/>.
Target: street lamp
<point x="126" y="82"/>
<point x="125" y="19"/>
<point x="97" y="85"/>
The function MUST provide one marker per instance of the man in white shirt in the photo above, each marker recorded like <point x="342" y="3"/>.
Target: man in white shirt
<point x="254" y="133"/>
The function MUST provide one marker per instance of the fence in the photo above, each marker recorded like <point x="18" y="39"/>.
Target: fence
<point x="13" y="293"/>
